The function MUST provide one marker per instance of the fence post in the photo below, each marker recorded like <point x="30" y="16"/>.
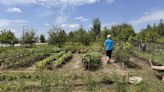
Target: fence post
<point x="2" y="65"/>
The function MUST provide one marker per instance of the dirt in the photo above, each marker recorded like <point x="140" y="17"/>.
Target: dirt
<point x="73" y="65"/>
<point x="113" y="67"/>
<point x="141" y="62"/>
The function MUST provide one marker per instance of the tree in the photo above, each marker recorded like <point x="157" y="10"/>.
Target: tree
<point x="28" y="37"/>
<point x="149" y="34"/>
<point x="122" y="32"/>
<point x="71" y="36"/>
<point x="96" y="26"/>
<point x="161" y="28"/>
<point x="7" y="37"/>
<point x="82" y="36"/>
<point x="104" y="33"/>
<point x="57" y="36"/>
<point x="42" y="38"/>
<point x="92" y="35"/>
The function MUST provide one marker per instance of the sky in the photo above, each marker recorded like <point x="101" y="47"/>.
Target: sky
<point x="42" y="15"/>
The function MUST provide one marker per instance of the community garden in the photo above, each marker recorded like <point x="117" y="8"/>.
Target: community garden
<point x="76" y="61"/>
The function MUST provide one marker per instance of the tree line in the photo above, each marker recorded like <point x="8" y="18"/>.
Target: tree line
<point x="58" y="36"/>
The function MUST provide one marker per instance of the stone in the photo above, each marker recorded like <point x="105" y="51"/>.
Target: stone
<point x="135" y="80"/>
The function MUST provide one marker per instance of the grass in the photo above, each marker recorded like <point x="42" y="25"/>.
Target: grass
<point x="85" y="81"/>
<point x="155" y="57"/>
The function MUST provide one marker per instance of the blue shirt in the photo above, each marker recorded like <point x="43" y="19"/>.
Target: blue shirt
<point x="108" y="44"/>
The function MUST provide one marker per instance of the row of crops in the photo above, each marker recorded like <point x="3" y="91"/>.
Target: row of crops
<point x="42" y="55"/>
<point x="55" y="60"/>
<point x="24" y="57"/>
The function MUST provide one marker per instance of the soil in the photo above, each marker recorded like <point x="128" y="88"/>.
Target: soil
<point x="73" y="65"/>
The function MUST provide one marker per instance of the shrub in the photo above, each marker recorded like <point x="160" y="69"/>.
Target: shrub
<point x="70" y="48"/>
<point x="91" y="60"/>
<point x="122" y="51"/>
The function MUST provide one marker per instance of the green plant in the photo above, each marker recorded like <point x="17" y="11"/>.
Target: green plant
<point x="122" y="51"/>
<point x="44" y="62"/>
<point x="62" y="59"/>
<point x="70" y="48"/>
<point x="118" y="83"/>
<point x="91" y="60"/>
<point x="21" y="86"/>
<point x="143" y="87"/>
<point x="24" y="57"/>
<point x="46" y="80"/>
<point x="89" y="82"/>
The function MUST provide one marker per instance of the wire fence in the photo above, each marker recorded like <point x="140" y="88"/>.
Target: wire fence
<point x="153" y="51"/>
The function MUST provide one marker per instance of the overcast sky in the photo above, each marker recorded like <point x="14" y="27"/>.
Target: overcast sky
<point x="69" y="14"/>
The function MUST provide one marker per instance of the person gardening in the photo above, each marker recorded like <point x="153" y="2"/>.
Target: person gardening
<point x="108" y="44"/>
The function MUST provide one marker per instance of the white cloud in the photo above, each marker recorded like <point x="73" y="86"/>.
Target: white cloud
<point x="70" y="26"/>
<point x="148" y="17"/>
<point x="54" y="3"/>
<point x="50" y="3"/>
<point x="14" y="10"/>
<point x="11" y="2"/>
<point x="61" y="19"/>
<point x="63" y="5"/>
<point x="81" y="18"/>
<point x="59" y="3"/>
<point x="8" y="22"/>
<point x="62" y="16"/>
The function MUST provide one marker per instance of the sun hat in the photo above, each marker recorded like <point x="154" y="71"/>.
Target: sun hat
<point x="108" y="36"/>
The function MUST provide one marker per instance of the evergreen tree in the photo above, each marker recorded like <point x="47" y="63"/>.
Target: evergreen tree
<point x="42" y="38"/>
<point x="96" y="26"/>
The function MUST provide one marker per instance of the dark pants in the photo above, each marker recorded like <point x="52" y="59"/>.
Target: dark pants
<point x="109" y="53"/>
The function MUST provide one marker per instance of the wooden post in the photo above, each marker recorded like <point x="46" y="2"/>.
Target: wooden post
<point x="2" y="65"/>
<point x="127" y="76"/>
<point x="123" y="65"/>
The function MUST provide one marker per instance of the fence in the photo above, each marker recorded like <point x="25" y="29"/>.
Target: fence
<point x="153" y="51"/>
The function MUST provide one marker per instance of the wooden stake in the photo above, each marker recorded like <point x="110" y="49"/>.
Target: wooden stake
<point x="2" y="65"/>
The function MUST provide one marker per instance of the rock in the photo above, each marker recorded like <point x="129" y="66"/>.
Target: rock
<point x="135" y="80"/>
